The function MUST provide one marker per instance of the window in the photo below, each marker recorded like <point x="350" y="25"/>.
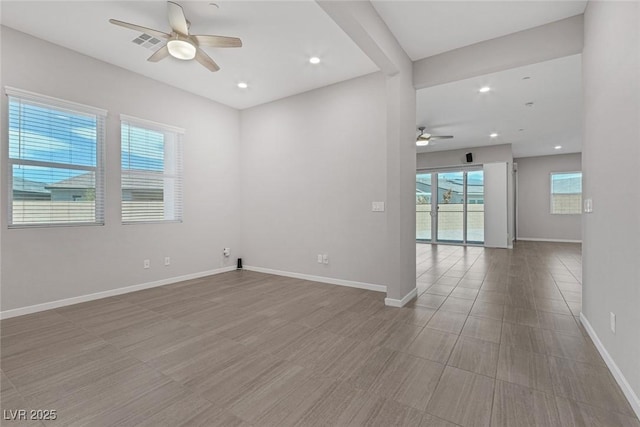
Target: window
<point x="566" y="192"/>
<point x="55" y="161"/>
<point x="151" y="164"/>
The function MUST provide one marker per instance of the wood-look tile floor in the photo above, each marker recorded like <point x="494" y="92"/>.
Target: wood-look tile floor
<point x="491" y="340"/>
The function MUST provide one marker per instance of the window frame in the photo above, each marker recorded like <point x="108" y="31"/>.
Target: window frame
<point x="551" y="193"/>
<point x="177" y="175"/>
<point x="99" y="168"/>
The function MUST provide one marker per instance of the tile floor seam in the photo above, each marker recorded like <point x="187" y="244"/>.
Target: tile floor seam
<point x="446" y="363"/>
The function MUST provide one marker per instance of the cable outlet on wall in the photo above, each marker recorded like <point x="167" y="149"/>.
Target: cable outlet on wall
<point x="325" y="259"/>
<point x="146" y="263"/>
<point x="612" y="321"/>
<point x="226" y="251"/>
<point x="167" y="261"/>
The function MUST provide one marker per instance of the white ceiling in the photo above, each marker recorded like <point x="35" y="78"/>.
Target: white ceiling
<point x="426" y="28"/>
<point x="278" y="39"/>
<point x="280" y="36"/>
<point x="555" y="88"/>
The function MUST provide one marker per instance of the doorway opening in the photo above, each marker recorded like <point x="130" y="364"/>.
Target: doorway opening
<point x="450" y="206"/>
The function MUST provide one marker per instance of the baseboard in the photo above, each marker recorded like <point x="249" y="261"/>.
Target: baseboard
<point x="401" y="302"/>
<point x="112" y="292"/>
<point x="321" y="279"/>
<point x="536" y="239"/>
<point x="631" y="396"/>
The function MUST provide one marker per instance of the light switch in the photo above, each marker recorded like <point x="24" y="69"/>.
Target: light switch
<point x="588" y="205"/>
<point x="377" y="206"/>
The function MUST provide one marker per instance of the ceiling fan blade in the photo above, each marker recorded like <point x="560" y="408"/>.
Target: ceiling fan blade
<point x="140" y="28"/>
<point x="441" y="136"/>
<point x="161" y="53"/>
<point x="217" y="41"/>
<point x="206" y="60"/>
<point x="177" y="19"/>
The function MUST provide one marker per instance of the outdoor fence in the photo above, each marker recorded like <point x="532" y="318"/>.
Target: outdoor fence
<point x="451" y="222"/>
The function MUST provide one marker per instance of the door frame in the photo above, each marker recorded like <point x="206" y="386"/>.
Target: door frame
<point x="434" y="203"/>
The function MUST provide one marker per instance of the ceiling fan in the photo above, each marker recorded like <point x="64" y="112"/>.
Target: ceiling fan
<point x="180" y="44"/>
<point x="424" y="138"/>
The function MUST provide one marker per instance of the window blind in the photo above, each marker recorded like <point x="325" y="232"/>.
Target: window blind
<point x="566" y="192"/>
<point x="151" y="180"/>
<point x="55" y="161"/>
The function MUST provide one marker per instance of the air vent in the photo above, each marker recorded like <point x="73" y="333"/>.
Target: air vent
<point x="145" y="40"/>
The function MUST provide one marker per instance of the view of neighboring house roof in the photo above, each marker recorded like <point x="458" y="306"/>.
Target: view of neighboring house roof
<point x="87" y="180"/>
<point x="421" y="187"/>
<point x="27" y="186"/>
<point x="474" y="187"/>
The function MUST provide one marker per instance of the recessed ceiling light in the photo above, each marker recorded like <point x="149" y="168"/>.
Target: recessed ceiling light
<point x="243" y="85"/>
<point x="314" y="60"/>
<point x="494" y="135"/>
<point x="557" y="147"/>
<point x="484" y="89"/>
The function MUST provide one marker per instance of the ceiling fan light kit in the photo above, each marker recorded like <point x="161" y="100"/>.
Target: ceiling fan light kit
<point x="424" y="138"/>
<point x="181" y="49"/>
<point x="181" y="44"/>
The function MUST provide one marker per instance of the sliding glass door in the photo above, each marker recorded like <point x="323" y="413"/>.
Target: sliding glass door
<point x="450" y="209"/>
<point x="450" y="206"/>
<point x="475" y="207"/>
<point x="423" y="207"/>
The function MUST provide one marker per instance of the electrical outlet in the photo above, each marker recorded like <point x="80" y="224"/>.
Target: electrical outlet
<point x="325" y="259"/>
<point x="167" y="261"/>
<point x="320" y="258"/>
<point x="146" y="263"/>
<point x="226" y="252"/>
<point x="612" y="321"/>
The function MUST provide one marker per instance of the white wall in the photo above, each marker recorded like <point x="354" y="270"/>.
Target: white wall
<point x="496" y="230"/>
<point x="610" y="164"/>
<point x="47" y="264"/>
<point x="361" y="22"/>
<point x="538" y="44"/>
<point x="481" y="155"/>
<point x="311" y="166"/>
<point x="534" y="218"/>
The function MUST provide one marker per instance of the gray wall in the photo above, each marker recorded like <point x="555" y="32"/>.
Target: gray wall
<point x="534" y="219"/>
<point x="610" y="158"/>
<point x="481" y="155"/>
<point x="48" y="264"/>
<point x="311" y="166"/>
